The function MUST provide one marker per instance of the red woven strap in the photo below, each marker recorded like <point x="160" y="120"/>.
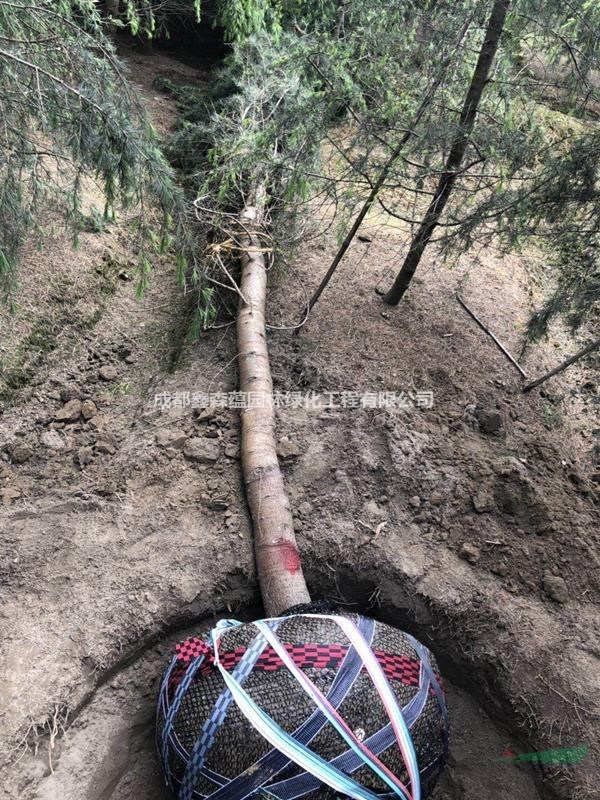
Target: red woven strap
<point x="318" y="656"/>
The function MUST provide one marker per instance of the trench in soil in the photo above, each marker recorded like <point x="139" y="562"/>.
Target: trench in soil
<point x="107" y="749"/>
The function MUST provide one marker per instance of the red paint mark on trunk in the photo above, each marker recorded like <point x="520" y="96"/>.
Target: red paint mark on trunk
<point x="290" y="557"/>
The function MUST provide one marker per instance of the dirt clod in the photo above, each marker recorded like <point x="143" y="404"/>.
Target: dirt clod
<point x="489" y="422"/>
<point x="556" y="588"/>
<point x="232" y="450"/>
<point x="9" y="493"/>
<point x="52" y="440"/>
<point x="70" y="412"/>
<point x="88" y="409"/>
<point x="84" y="456"/>
<point x="202" y="450"/>
<point x="469" y="552"/>
<point x="483" y="501"/>
<point x="20" y="452"/>
<point x="108" y="373"/>
<point x="287" y="449"/>
<point x="98" y="421"/>
<point x="171" y="438"/>
<point x="107" y="444"/>
<point x="205" y="414"/>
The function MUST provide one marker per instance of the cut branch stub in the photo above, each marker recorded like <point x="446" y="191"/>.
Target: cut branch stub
<point x="277" y="557"/>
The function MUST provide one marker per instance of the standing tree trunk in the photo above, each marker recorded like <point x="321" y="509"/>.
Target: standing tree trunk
<point x="277" y="558"/>
<point x="382" y="178"/>
<point x="456" y="154"/>
<point x="339" y="29"/>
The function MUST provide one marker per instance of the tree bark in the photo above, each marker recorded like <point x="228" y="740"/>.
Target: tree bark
<point x="456" y="154"/>
<point x="561" y="367"/>
<point x="277" y="558"/>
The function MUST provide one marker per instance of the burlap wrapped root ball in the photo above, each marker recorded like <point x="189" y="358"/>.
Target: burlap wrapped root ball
<point x="309" y="705"/>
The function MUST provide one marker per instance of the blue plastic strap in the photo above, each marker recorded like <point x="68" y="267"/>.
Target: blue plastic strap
<point x="348" y="761"/>
<point x="168" y="733"/>
<point x="211" y="726"/>
<point x="305" y="758"/>
<point x="274" y="762"/>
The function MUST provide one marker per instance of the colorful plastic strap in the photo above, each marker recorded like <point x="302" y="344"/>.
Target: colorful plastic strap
<point x="304" y="757"/>
<point x="388" y="699"/>
<point x="291" y="748"/>
<point x="280" y="739"/>
<point x="349" y="762"/>
<point x="211" y="726"/>
<point x="369" y="758"/>
<point x="271" y="764"/>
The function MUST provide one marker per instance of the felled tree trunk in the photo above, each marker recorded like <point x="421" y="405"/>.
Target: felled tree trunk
<point x="277" y="558"/>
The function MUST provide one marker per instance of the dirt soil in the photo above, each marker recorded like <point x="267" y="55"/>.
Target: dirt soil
<point x="124" y="522"/>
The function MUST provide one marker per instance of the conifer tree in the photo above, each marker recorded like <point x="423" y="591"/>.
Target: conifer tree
<point x="457" y="152"/>
<point x="68" y="111"/>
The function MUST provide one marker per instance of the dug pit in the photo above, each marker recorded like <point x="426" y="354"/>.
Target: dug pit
<point x="107" y="750"/>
